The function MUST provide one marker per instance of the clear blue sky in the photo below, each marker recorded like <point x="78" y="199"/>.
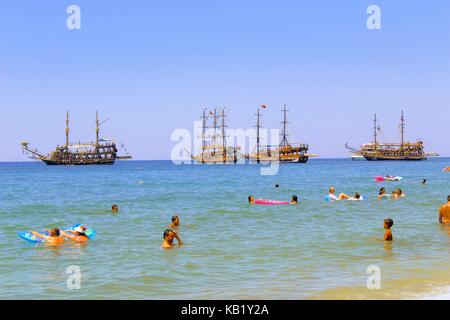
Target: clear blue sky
<point x="153" y="65"/>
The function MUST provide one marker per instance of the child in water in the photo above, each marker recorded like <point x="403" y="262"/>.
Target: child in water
<point x="54" y="239"/>
<point x="175" y="222"/>
<point x="388" y="223"/>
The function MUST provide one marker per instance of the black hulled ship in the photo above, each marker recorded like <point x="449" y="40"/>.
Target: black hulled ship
<point x="100" y="152"/>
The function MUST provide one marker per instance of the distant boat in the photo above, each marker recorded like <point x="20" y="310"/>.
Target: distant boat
<point x="215" y="149"/>
<point x="375" y="151"/>
<point x="357" y="157"/>
<point x="284" y="152"/>
<point x="102" y="151"/>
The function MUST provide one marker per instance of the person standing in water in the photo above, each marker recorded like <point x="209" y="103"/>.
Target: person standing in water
<point x="54" y="239"/>
<point x="175" y="222"/>
<point x="168" y="237"/>
<point x="294" y="199"/>
<point x="444" y="212"/>
<point x="388" y="223"/>
<point x="115" y="208"/>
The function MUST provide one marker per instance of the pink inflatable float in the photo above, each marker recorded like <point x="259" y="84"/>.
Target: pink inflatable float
<point x="269" y="202"/>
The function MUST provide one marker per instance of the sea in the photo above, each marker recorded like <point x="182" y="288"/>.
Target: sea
<point x="232" y="250"/>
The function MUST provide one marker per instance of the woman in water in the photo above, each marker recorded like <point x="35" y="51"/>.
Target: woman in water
<point x="77" y="235"/>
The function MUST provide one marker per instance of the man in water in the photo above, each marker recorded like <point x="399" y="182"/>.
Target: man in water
<point x="444" y="212"/>
<point x="251" y="200"/>
<point x="77" y="235"/>
<point x="115" y="208"/>
<point x="168" y="237"/>
<point x="175" y="222"/>
<point x="424" y="181"/>
<point x="333" y="197"/>
<point x="294" y="200"/>
<point x="54" y="239"/>
<point x="388" y="223"/>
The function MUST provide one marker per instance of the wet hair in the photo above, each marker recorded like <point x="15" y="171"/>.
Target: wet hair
<point x="295" y="198"/>
<point x="166" y="233"/>
<point x="382" y="191"/>
<point x="424" y="180"/>
<point x="332" y="189"/>
<point x="448" y="198"/>
<point x="389" y="222"/>
<point x="357" y="196"/>
<point x="250" y="198"/>
<point x="54" y="232"/>
<point x="399" y="191"/>
<point x="175" y="218"/>
<point x="114" y="207"/>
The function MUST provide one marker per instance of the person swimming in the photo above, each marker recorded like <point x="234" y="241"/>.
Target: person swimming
<point x="388" y="223"/>
<point x="54" y="238"/>
<point x="175" y="222"/>
<point x="424" y="181"/>
<point x="382" y="194"/>
<point x="400" y="193"/>
<point x="356" y="197"/>
<point x="115" y="208"/>
<point x="168" y="237"/>
<point x="251" y="200"/>
<point x="333" y="197"/>
<point x="444" y="212"/>
<point x="77" y="235"/>
<point x="294" y="199"/>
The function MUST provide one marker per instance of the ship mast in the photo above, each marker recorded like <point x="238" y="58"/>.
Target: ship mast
<point x="258" y="141"/>
<point x="284" y="142"/>
<point x="375" y="131"/>
<point x="67" y="129"/>
<point x="403" y="131"/>
<point x="97" y="129"/>
<point x="224" y="150"/>
<point x="204" y="119"/>
<point x="215" y="130"/>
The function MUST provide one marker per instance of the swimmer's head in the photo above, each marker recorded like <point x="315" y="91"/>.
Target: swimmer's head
<point x="382" y="190"/>
<point x="388" y="223"/>
<point x="176" y="220"/>
<point x="251" y="199"/>
<point x="294" y="198"/>
<point x="277" y="185"/>
<point x="81" y="229"/>
<point x="448" y="198"/>
<point x="168" y="235"/>
<point x="332" y="190"/>
<point x="54" y="232"/>
<point x="357" y="196"/>
<point x="399" y="191"/>
<point x="115" y="208"/>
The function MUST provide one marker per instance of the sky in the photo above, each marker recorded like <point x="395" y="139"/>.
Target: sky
<point x="152" y="66"/>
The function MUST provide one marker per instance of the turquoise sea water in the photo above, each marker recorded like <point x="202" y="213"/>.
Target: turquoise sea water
<point x="232" y="250"/>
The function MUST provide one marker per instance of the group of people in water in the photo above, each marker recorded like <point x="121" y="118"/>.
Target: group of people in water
<point x="57" y="236"/>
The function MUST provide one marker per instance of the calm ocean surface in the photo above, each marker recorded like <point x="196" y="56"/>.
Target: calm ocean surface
<point x="232" y="250"/>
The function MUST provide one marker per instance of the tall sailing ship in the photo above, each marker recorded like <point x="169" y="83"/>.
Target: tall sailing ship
<point x="214" y="148"/>
<point x="102" y="151"/>
<point x="413" y="151"/>
<point x="285" y="151"/>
